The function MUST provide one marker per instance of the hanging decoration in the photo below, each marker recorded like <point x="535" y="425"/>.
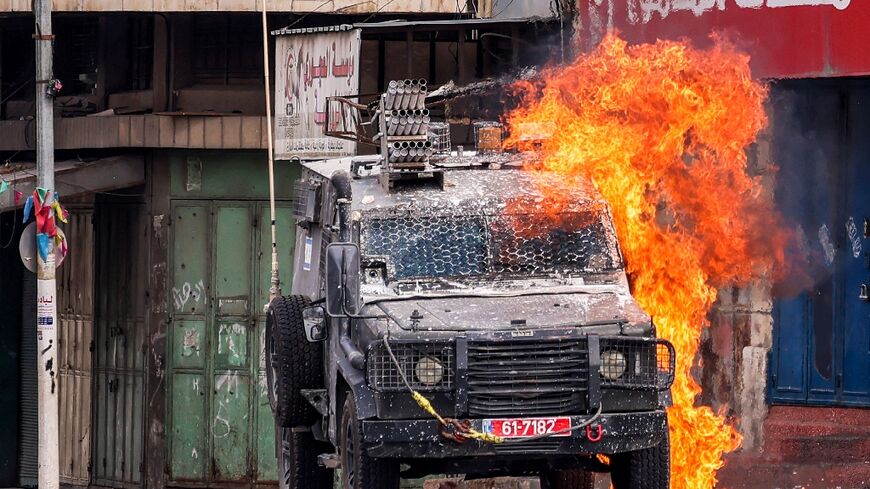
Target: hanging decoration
<point x="53" y="87"/>
<point x="45" y="209"/>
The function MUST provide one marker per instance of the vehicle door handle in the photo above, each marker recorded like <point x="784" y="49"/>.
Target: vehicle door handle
<point x="862" y="293"/>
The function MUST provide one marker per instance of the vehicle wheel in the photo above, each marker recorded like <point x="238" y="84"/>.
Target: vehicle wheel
<point x="292" y="363"/>
<point x="642" y="469"/>
<point x="297" y="461"/>
<point x="568" y="479"/>
<point x="358" y="470"/>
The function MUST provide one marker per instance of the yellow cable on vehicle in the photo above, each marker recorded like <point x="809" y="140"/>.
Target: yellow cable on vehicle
<point x="465" y="431"/>
<point x="426" y="405"/>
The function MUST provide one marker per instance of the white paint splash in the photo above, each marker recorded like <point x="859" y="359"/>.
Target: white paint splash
<point x="854" y="238"/>
<point x="827" y="244"/>
<point x="228" y="334"/>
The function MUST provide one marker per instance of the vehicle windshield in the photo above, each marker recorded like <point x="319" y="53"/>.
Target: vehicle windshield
<point x="504" y="246"/>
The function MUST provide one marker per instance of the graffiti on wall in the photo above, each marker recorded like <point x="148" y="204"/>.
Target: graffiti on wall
<point x="187" y="293"/>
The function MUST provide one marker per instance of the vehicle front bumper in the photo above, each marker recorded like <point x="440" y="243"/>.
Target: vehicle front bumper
<point x="620" y="432"/>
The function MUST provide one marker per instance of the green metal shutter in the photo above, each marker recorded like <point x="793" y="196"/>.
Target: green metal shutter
<point x="220" y="425"/>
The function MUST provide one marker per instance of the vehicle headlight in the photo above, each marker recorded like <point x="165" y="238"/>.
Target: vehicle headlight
<point x="429" y="371"/>
<point x="612" y="364"/>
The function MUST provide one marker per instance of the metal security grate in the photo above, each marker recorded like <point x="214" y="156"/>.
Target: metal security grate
<point x="511" y="244"/>
<point x="641" y="363"/>
<point x="527" y="378"/>
<point x="383" y="376"/>
<point x="441" y="247"/>
<point x="306" y="201"/>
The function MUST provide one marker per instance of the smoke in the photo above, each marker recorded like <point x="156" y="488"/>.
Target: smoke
<point x="805" y="141"/>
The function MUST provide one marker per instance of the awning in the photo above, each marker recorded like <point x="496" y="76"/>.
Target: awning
<point x="402" y="25"/>
<point x="74" y="177"/>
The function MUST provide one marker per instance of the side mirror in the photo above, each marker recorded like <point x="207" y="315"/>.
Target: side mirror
<point x="342" y="279"/>
<point x="314" y="319"/>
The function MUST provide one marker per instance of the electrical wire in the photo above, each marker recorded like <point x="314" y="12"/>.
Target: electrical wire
<point x="84" y="189"/>
<point x="14" y="226"/>
<point x="300" y="19"/>
<point x="376" y="12"/>
<point x="503" y="9"/>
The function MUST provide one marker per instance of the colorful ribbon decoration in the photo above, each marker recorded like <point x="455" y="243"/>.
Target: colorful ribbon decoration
<point x="46" y="228"/>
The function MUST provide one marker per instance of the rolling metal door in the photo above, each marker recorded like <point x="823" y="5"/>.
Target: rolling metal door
<point x="75" y="293"/>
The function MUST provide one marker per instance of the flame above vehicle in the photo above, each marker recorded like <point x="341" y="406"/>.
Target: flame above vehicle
<point x="662" y="130"/>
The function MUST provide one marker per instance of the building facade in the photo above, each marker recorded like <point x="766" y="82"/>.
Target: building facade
<point x="160" y="134"/>
<point x="789" y="362"/>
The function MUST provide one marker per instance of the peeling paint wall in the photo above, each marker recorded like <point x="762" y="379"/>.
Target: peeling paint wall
<point x="219" y="426"/>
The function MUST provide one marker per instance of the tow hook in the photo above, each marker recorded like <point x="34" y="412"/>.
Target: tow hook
<point x="599" y="433"/>
<point x="453" y="430"/>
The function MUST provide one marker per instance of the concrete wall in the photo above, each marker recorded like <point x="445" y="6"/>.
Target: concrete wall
<point x="519" y="9"/>
<point x="734" y="350"/>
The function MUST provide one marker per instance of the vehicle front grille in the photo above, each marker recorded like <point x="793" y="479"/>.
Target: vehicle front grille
<point x="527" y="378"/>
<point x="541" y="446"/>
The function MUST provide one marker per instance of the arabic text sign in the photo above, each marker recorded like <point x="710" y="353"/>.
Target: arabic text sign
<point x="785" y="38"/>
<point x="308" y="69"/>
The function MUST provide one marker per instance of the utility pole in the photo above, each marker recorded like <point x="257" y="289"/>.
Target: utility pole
<point x="46" y="284"/>
<point x="274" y="283"/>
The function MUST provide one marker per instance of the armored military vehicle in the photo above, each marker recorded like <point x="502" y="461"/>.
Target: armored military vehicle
<point x="460" y="314"/>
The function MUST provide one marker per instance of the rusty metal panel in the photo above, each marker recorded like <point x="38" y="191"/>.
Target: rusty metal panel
<point x="75" y="308"/>
<point x="265" y="433"/>
<point x="189" y="452"/>
<point x="233" y="272"/>
<point x="189" y="347"/>
<point x="119" y="344"/>
<point x="231" y="426"/>
<point x="786" y="38"/>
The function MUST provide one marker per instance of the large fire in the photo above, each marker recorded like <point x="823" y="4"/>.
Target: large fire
<point x="663" y="130"/>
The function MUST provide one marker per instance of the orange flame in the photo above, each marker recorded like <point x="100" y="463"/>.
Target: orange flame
<point x="662" y="131"/>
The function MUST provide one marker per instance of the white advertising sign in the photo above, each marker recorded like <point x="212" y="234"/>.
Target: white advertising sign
<point x="308" y="69"/>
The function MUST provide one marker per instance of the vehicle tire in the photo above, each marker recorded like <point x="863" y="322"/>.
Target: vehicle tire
<point x="292" y="363"/>
<point x="358" y="470"/>
<point x="649" y="468"/>
<point x="568" y="479"/>
<point x="297" y="461"/>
